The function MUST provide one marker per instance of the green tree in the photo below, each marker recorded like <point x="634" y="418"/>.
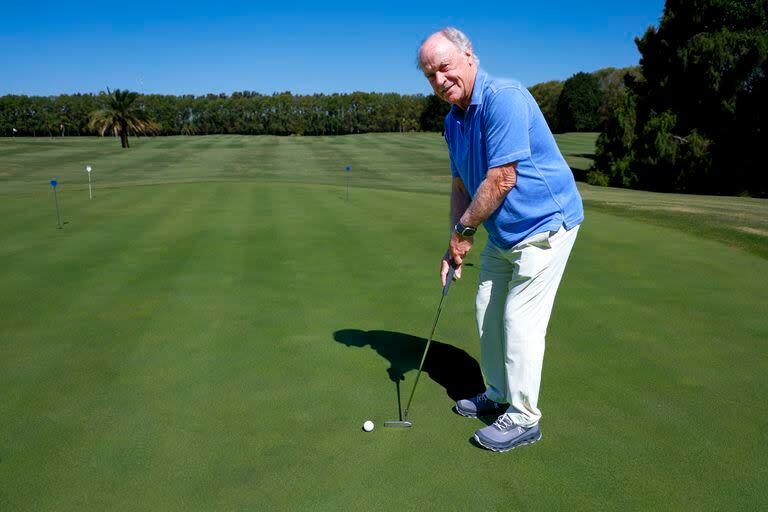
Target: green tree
<point x="432" y="118"/>
<point x="120" y="114"/>
<point x="611" y="82"/>
<point x="614" y="153"/>
<point x="704" y="87"/>
<point x="242" y="112"/>
<point x="547" y="95"/>
<point x="578" y="104"/>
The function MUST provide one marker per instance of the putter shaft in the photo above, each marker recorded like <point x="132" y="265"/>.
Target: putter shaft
<point x="403" y="421"/>
<point x="423" y="357"/>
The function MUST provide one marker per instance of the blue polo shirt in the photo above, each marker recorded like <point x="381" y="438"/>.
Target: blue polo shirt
<point x="503" y="124"/>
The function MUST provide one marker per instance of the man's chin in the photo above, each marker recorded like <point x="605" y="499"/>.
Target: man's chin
<point x="453" y="100"/>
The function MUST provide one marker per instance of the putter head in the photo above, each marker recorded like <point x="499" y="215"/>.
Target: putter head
<point x="398" y="423"/>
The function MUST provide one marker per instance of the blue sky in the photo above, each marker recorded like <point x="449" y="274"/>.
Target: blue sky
<point x="49" y="48"/>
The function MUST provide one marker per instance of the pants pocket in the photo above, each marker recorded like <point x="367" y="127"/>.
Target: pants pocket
<point x="540" y="240"/>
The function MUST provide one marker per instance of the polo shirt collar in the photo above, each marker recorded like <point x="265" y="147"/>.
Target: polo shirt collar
<point x="477" y="88"/>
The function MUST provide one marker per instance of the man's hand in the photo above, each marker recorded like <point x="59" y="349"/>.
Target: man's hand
<point x="445" y="265"/>
<point x="458" y="247"/>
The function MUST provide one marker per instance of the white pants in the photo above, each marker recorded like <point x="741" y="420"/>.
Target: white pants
<point x="514" y="302"/>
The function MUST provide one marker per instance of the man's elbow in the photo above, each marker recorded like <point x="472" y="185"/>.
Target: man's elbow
<point x="505" y="181"/>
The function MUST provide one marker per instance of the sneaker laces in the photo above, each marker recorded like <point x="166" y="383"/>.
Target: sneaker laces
<point x="481" y="398"/>
<point x="504" y="422"/>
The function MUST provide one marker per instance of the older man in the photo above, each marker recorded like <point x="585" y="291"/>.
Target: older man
<point x="508" y="175"/>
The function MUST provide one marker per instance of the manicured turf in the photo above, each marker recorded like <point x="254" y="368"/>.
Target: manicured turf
<point x="737" y="221"/>
<point x="199" y="345"/>
<point x="579" y="150"/>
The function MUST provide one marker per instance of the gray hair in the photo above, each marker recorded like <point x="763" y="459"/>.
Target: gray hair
<point x="459" y="40"/>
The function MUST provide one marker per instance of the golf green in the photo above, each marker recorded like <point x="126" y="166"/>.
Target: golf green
<point x="212" y="329"/>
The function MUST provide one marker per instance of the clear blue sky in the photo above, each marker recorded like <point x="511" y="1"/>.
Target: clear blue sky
<point x="49" y="48"/>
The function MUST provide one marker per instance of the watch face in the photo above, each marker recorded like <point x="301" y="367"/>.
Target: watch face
<point x="463" y="230"/>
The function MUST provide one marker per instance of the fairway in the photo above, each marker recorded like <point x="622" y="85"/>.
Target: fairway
<point x="212" y="329"/>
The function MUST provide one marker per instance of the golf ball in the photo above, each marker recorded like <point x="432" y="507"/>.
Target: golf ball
<point x="368" y="426"/>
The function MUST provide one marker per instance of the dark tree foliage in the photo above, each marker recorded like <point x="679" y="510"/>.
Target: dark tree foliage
<point x="244" y="112"/>
<point x="432" y="118"/>
<point x="579" y="103"/>
<point x="700" y="120"/>
<point x="612" y="86"/>
<point x="614" y="154"/>
<point x="546" y="95"/>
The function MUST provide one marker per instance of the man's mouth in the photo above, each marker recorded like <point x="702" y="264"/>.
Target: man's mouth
<point x="446" y="89"/>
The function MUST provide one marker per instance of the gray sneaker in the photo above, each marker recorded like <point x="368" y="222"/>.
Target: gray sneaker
<point x="504" y="435"/>
<point x="479" y="405"/>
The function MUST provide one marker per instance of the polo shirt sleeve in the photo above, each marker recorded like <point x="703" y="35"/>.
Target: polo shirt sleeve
<point x="506" y="122"/>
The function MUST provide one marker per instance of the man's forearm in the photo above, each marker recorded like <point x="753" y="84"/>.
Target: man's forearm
<point x="460" y="201"/>
<point x="490" y="194"/>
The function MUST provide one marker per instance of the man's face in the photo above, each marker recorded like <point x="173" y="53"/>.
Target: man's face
<point x="450" y="72"/>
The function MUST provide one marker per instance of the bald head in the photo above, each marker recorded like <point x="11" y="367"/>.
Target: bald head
<point x="448" y="62"/>
<point x="459" y="39"/>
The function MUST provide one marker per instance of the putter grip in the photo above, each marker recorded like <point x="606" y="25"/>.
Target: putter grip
<point x="449" y="278"/>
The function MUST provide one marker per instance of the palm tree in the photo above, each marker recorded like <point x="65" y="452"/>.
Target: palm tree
<point x="119" y="114"/>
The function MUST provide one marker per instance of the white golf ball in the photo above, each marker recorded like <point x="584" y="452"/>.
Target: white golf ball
<point x="368" y="426"/>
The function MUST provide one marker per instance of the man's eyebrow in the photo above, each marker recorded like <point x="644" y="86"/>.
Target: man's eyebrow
<point x="442" y="63"/>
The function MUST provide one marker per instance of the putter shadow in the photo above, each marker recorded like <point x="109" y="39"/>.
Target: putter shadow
<point x="449" y="366"/>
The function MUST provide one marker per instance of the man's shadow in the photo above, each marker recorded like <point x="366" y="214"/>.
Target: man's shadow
<point x="455" y="370"/>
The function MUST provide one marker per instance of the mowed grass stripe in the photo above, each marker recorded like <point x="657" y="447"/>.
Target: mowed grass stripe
<point x="197" y="356"/>
<point x="94" y="244"/>
<point x="223" y="370"/>
<point x="359" y="249"/>
<point x="84" y="299"/>
<point x="127" y="353"/>
<point x="90" y="277"/>
<point x="80" y="361"/>
<point x="321" y="369"/>
<point x="686" y="373"/>
<point x="395" y="161"/>
<point x="24" y="158"/>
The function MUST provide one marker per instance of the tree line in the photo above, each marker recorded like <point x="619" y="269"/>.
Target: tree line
<point x="581" y="103"/>
<point x="246" y="113"/>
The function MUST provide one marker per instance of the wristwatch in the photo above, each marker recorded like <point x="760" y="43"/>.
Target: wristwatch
<point x="465" y="231"/>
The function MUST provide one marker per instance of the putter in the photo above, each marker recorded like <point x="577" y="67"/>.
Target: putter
<point x="403" y="421"/>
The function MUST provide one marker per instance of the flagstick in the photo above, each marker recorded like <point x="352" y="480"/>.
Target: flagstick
<point x="90" y="191"/>
<point x="56" y="202"/>
<point x="347" y="183"/>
